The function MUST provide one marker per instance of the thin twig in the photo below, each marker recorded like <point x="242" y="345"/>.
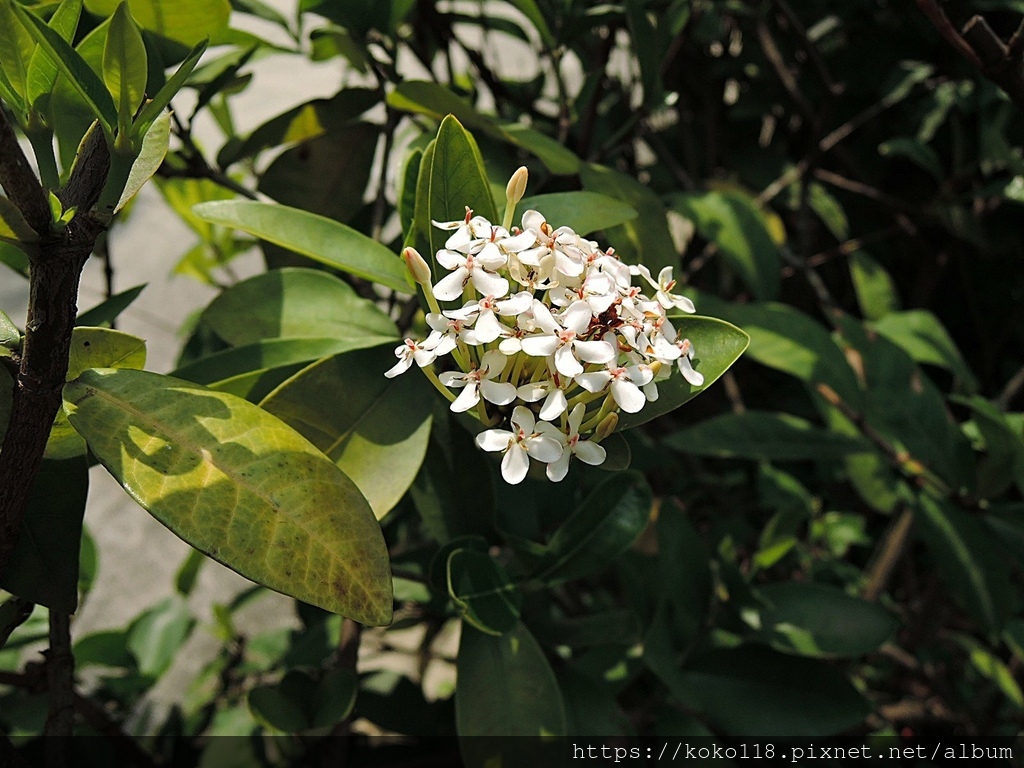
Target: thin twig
<point x="888" y="554"/>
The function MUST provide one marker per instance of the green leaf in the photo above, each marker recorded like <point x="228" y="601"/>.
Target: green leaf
<point x="327" y="174"/>
<point x="14" y="258"/>
<point x="601" y="528"/>
<point x="42" y="71"/>
<point x="407" y="193"/>
<point x="532" y="12"/>
<point x="334" y="697"/>
<point x="10" y="336"/>
<point x="505" y="687"/>
<point x="787" y="340"/>
<point x="917" y="152"/>
<point x="124" y="65"/>
<point x="188" y="572"/>
<point x="819" y="620"/>
<point x="752" y="691"/>
<point x="298" y="703"/>
<point x="685" y="570"/>
<point x="876" y="293"/>
<point x="374" y="428"/>
<point x="184" y="21"/>
<point x="921" y="335"/>
<point x="239" y="485"/>
<point x="732" y="220"/>
<point x="224" y="368"/>
<point x="104" y="313"/>
<point x="13" y="227"/>
<point x="1004" y="448"/>
<point x="151" y="156"/>
<point x="457" y="180"/>
<point x="92" y="348"/>
<point x="156" y="636"/>
<point x="71" y="64"/>
<point x="967" y="556"/>
<point x="482" y="591"/>
<point x="330" y="41"/>
<point x="319" y="238"/>
<point x="990" y="666"/>
<point x="584" y="212"/>
<point x="153" y="108"/>
<point x="717" y="345"/>
<point x="765" y="436"/>
<point x="43" y="567"/>
<point x="16" y="49"/>
<point x="649" y="49"/>
<point x="645" y="239"/>
<point x="295" y="303"/>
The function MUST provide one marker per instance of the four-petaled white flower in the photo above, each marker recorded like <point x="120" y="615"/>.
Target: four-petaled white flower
<point x="480" y="381"/>
<point x="481" y="269"/>
<point x="664" y="286"/>
<point x="423" y="352"/>
<point x="564" y="341"/>
<point x="527" y="438"/>
<point x="625" y="382"/>
<point x="586" y="451"/>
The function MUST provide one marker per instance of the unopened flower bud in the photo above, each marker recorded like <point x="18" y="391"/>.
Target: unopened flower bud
<point x="516" y="186"/>
<point x="607" y="426"/>
<point x="418" y="268"/>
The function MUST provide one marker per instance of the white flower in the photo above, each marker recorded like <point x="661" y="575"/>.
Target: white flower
<point x="423" y="352"/>
<point x="480" y="268"/>
<point x="685" y="367"/>
<point x="553" y="395"/>
<point x="586" y="451"/>
<point x="625" y="383"/>
<point x="562" y="340"/>
<point x="483" y="314"/>
<point x="480" y="381"/>
<point x="527" y="438"/>
<point x="470" y="233"/>
<point x="664" y="286"/>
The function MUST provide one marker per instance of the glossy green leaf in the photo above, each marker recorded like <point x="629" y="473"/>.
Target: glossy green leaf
<point x="967" y="555"/>
<point x="124" y="64"/>
<point x="810" y="619"/>
<point x="184" y="21"/>
<point x="295" y="303"/>
<point x="752" y="691"/>
<point x="457" y="180"/>
<point x="267" y="355"/>
<point x="763" y="435"/>
<point x="374" y="428"/>
<point x="92" y="348"/>
<point x="482" y="591"/>
<point x="156" y="636"/>
<point x="187" y="575"/>
<point x="790" y="341"/>
<point x="71" y="64"/>
<point x="16" y="48"/>
<point x="302" y="123"/>
<point x="104" y="313"/>
<point x="731" y="220"/>
<point x="10" y="336"/>
<point x="155" y="107"/>
<point x="330" y="41"/>
<point x="876" y="293"/>
<point x="239" y="485"/>
<point x="505" y="687"/>
<point x="14" y="258"/>
<point x="645" y="239"/>
<point x="42" y="71"/>
<point x="334" y="697"/>
<point x="437" y="101"/>
<point x="921" y="335"/>
<point x="604" y="525"/>
<point x="43" y="567"/>
<point x="319" y="238"/>
<point x="283" y="706"/>
<point x="685" y="570"/>
<point x="150" y="158"/>
<point x="584" y="212"/>
<point x="407" y="193"/>
<point x="327" y="174"/>
<point x="717" y="345"/>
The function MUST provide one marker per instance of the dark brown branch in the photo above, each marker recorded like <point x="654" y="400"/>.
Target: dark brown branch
<point x="60" y="688"/>
<point x="944" y="27"/>
<point x="19" y="180"/>
<point x="1000" y="63"/>
<point x="888" y="554"/>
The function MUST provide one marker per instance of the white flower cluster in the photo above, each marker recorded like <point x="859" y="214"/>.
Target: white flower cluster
<point x="552" y="339"/>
